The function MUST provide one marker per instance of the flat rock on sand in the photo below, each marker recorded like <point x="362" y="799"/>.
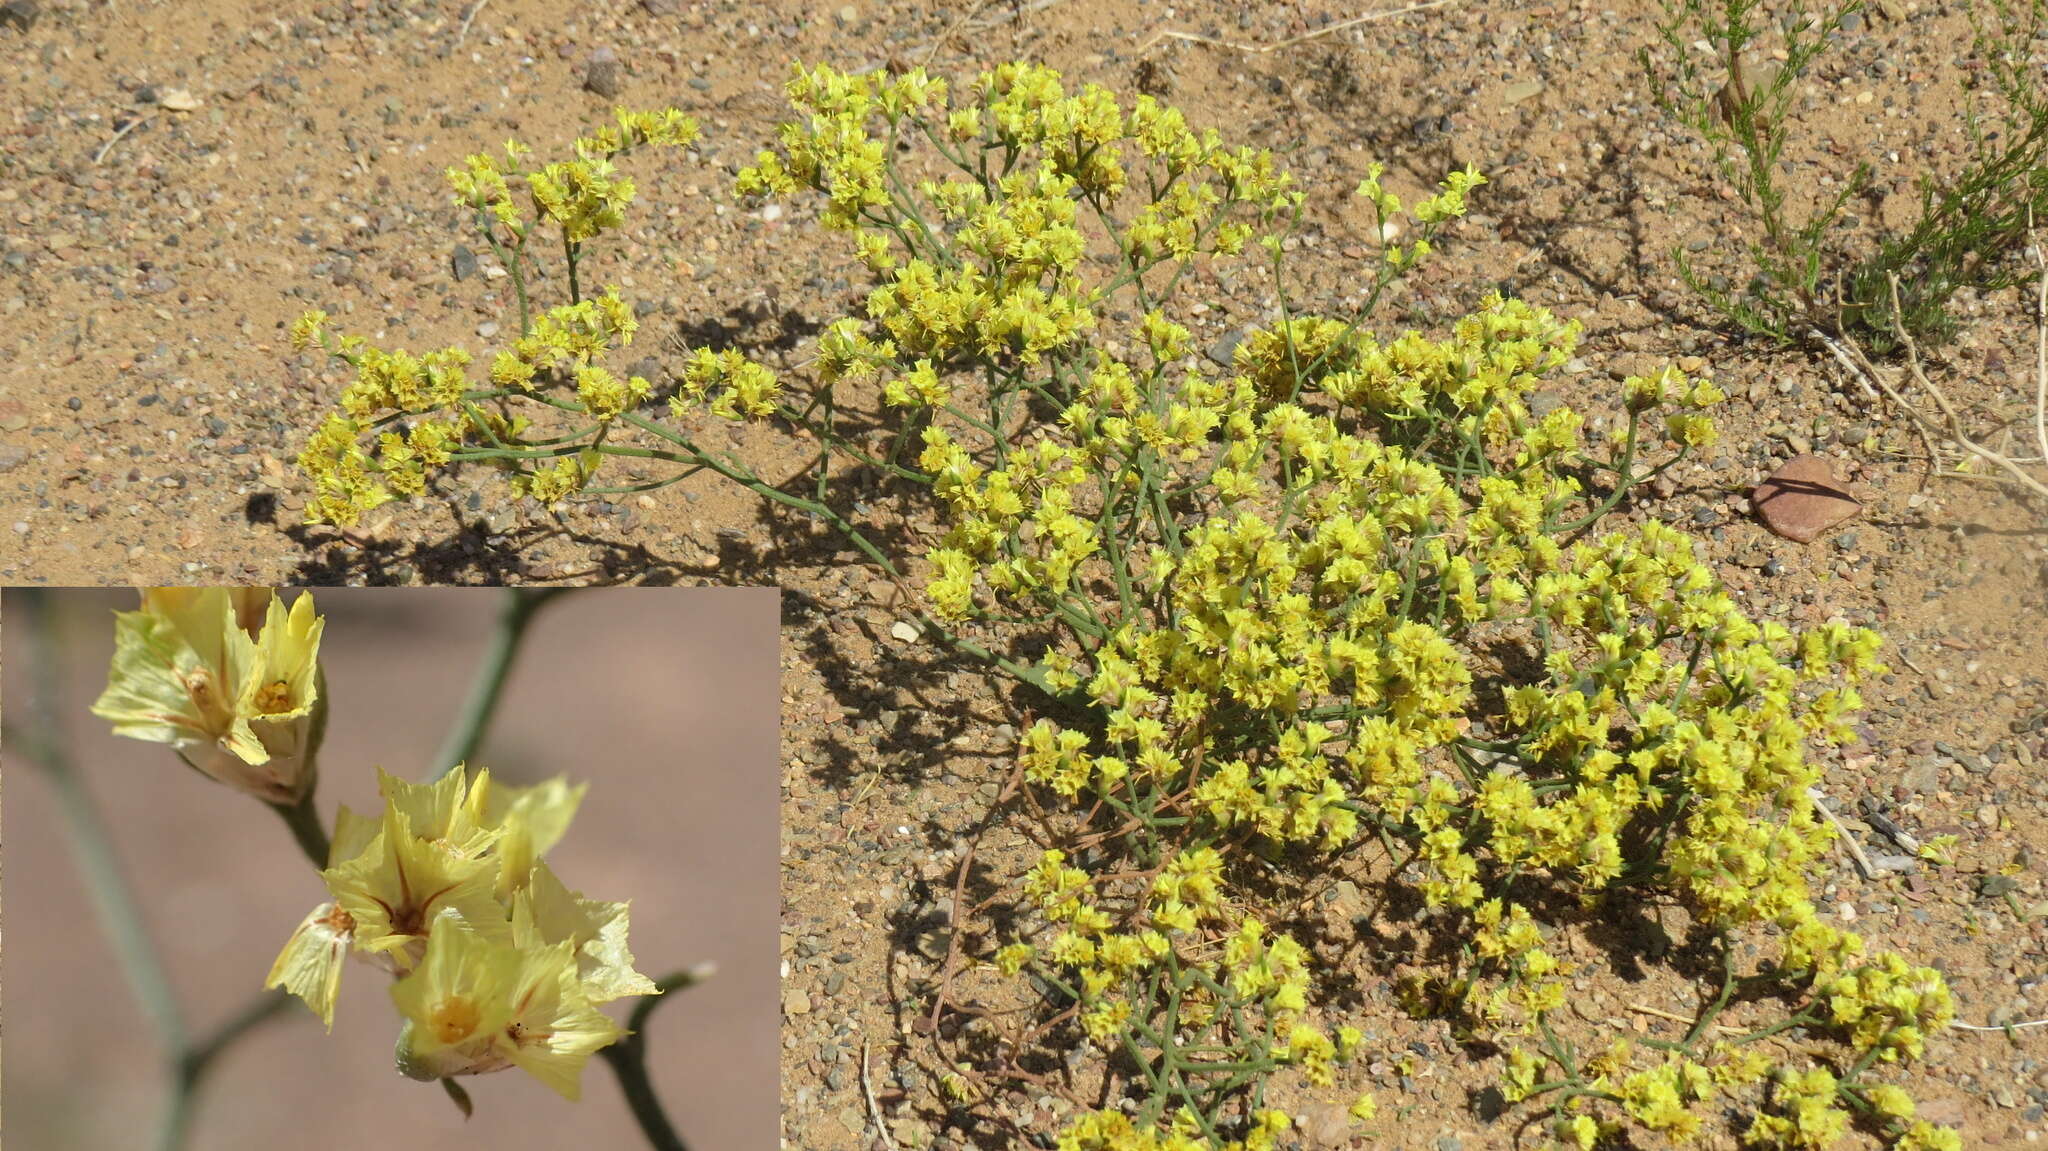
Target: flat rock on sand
<point x="1802" y="499"/>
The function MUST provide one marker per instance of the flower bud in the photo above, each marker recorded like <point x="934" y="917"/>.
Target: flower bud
<point x="230" y="678"/>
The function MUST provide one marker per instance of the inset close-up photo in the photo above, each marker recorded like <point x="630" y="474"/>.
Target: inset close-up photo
<point x="419" y="868"/>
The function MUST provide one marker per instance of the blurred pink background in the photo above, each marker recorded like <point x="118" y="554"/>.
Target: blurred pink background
<point x="665" y="700"/>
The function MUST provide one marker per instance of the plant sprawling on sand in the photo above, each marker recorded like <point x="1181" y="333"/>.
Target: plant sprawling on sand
<point x="1350" y="594"/>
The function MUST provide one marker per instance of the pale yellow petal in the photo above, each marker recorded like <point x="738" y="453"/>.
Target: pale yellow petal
<point x="310" y="964"/>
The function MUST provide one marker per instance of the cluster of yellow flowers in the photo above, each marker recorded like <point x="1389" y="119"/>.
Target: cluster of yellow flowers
<point x="500" y="965"/>
<point x="989" y="263"/>
<point x="230" y="679"/>
<point x="584" y="196"/>
<point x="1114" y="1131"/>
<point x="420" y="413"/>
<point x="1276" y="581"/>
<point x="1297" y="660"/>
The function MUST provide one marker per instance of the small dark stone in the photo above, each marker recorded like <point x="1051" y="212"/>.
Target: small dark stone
<point x="1222" y="350"/>
<point x="19" y="14"/>
<point x="462" y="263"/>
<point x="1427" y="128"/>
<point x="1993" y="886"/>
<point x="74" y="403"/>
<point x="603" y="77"/>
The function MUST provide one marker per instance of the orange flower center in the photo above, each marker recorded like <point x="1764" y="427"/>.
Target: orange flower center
<point x="454" y="1019"/>
<point x="274" y="698"/>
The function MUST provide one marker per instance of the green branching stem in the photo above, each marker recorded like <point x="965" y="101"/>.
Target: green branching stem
<point x="303" y="818"/>
<point x="511" y="259"/>
<point x="187" y="1059"/>
<point x="515" y="614"/>
<point x="571" y="251"/>
<point x="628" y="1061"/>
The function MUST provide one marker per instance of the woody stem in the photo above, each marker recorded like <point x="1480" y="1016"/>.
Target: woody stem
<point x="628" y="1059"/>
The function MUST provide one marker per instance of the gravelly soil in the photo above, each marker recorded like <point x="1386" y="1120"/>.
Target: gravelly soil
<point x="149" y="409"/>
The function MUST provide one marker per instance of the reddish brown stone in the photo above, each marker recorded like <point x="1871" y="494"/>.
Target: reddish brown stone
<point x="1803" y="499"/>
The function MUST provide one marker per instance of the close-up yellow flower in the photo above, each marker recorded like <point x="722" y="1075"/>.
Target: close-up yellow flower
<point x="474" y="1005"/>
<point x="229" y="678"/>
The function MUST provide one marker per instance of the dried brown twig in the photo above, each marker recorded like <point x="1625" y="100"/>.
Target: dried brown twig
<point x="1950" y="425"/>
<point x="1291" y="41"/>
<point x="867" y="1088"/>
<point x="2041" y="351"/>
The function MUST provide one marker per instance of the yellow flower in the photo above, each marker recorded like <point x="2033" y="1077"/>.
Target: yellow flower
<point x="307" y="329"/>
<point x="397" y="888"/>
<point x="547" y="914"/>
<point x="229" y="678"/>
<point x="476" y="1005"/>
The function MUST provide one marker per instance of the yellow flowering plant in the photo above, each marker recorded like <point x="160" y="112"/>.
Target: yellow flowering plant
<point x="495" y="963"/>
<point x="1347" y="594"/>
<point x="406" y="417"/>
<point x="1283" y="598"/>
<point x="231" y="679"/>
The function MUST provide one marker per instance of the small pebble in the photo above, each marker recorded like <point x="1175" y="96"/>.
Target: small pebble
<point x="603" y="76"/>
